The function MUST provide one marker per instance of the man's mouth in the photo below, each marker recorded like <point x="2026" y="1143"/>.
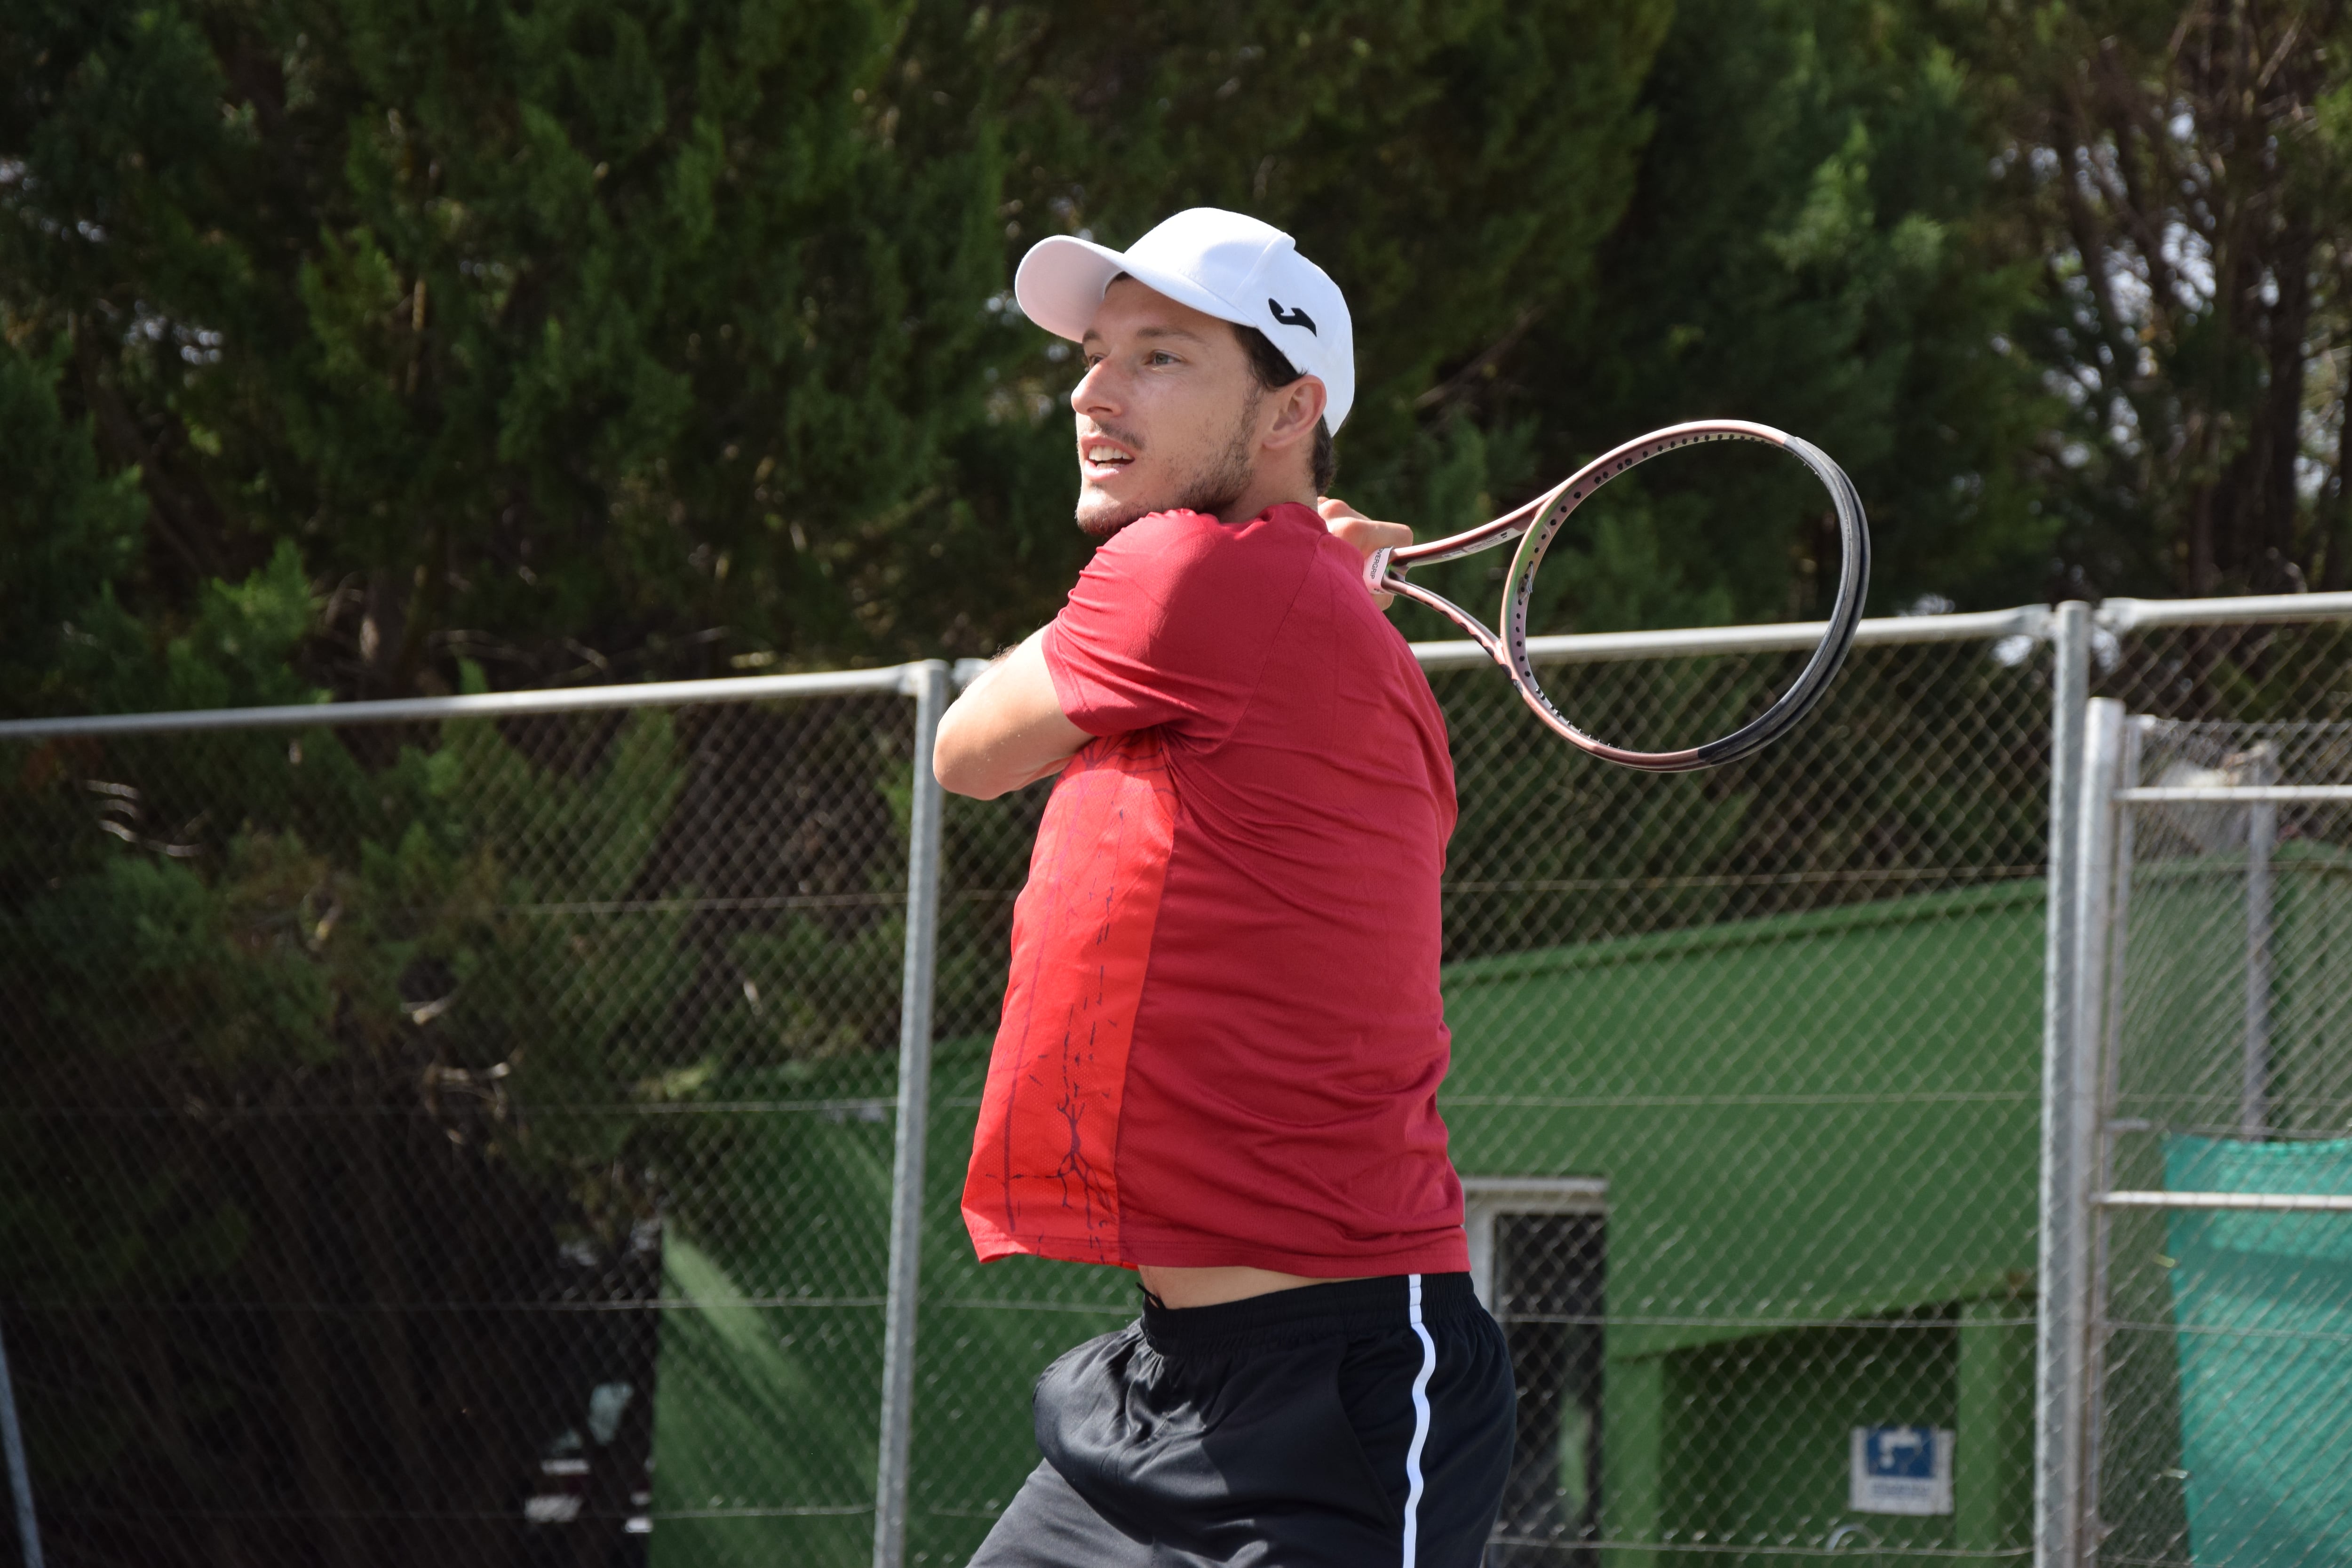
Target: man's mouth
<point x="1099" y="458"/>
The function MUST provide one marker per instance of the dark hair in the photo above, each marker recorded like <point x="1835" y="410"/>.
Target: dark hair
<point x="1273" y="372"/>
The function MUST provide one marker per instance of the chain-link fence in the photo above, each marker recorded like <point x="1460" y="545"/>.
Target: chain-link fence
<point x="2217" y="1411"/>
<point x="1745" y="1085"/>
<point x="405" y="1122"/>
<point x="474" y="1138"/>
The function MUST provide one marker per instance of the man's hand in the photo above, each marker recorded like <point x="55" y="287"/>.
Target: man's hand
<point x="1007" y="729"/>
<point x="1353" y="528"/>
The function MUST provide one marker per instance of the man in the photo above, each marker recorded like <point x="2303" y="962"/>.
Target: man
<point x="1222" y="1040"/>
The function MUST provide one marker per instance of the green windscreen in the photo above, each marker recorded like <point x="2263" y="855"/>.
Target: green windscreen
<point x="2263" y="1303"/>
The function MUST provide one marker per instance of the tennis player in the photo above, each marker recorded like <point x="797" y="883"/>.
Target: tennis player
<point x="1222" y="1040"/>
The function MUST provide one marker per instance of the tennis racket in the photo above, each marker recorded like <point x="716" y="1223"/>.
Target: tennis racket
<point x="1538" y="524"/>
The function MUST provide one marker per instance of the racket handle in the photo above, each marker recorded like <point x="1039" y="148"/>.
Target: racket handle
<point x="1376" y="568"/>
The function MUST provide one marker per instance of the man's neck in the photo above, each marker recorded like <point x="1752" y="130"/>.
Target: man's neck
<point x="1265" y="494"/>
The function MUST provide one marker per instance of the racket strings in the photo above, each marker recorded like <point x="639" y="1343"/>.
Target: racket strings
<point x="1548" y="514"/>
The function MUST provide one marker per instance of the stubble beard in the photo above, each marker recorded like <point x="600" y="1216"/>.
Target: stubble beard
<point x="1211" y="489"/>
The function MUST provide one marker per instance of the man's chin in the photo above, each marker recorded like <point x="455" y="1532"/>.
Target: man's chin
<point x="1099" y="516"/>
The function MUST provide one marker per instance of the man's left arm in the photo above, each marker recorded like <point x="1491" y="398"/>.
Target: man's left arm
<point x="1007" y="729"/>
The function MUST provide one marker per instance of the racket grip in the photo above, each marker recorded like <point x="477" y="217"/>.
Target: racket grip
<point x="1376" y="568"/>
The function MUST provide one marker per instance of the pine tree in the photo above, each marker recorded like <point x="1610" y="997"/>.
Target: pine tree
<point x="597" y="326"/>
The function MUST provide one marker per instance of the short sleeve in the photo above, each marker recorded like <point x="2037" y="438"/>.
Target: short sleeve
<point x="1170" y="626"/>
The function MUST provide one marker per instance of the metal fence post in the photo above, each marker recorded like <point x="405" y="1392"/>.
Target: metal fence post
<point x="2102" y="745"/>
<point x="2114" y="738"/>
<point x="2057" y="1432"/>
<point x="2261" y="844"/>
<point x="20" y="1476"/>
<point x="928" y="683"/>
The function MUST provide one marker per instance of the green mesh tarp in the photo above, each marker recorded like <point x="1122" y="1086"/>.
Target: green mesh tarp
<point x="2263" y="1303"/>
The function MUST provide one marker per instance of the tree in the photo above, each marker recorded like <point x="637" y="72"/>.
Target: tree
<point x="530" y="327"/>
<point x="1806" y="247"/>
<point x="588" y="340"/>
<point x="2177" y="176"/>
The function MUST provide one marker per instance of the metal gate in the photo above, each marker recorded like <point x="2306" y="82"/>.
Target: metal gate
<point x="2200" y="1348"/>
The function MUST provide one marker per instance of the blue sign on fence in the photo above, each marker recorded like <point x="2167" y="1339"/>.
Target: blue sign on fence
<point x="1901" y="1469"/>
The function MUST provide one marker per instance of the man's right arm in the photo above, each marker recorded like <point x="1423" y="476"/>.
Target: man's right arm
<point x="1007" y="729"/>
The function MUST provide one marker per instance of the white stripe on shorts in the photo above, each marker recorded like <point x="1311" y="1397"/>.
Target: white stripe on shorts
<point x="1420" y="1420"/>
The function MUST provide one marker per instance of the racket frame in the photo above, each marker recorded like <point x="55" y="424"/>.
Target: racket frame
<point x="1537" y="524"/>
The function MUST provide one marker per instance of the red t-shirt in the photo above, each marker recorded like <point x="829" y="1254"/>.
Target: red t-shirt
<point x="1222" y="1040"/>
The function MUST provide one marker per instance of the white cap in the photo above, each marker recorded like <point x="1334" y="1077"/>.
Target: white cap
<point x="1223" y="264"/>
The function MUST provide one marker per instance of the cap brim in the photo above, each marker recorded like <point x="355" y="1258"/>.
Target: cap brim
<point x="1060" y="284"/>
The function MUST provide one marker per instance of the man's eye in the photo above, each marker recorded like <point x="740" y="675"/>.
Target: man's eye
<point x="1162" y="356"/>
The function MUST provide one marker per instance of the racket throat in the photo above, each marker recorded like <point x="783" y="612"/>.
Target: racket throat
<point x="1395" y="583"/>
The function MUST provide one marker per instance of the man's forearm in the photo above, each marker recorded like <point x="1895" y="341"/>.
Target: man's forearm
<point x="1007" y="729"/>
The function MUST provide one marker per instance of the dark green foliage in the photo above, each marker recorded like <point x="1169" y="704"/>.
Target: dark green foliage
<point x="531" y="325"/>
<point x="590" y="340"/>
<point x="379" y="1045"/>
<point x="580" y="340"/>
<point x="66" y="533"/>
<point x="1803" y="248"/>
<point x="1455" y="166"/>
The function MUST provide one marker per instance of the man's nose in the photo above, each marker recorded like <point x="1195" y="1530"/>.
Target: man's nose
<point x="1094" y="390"/>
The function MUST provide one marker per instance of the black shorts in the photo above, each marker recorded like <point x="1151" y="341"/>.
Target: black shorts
<point x="1354" y="1426"/>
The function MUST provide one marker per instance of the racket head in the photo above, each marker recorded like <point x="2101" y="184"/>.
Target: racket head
<point x="1790" y="709"/>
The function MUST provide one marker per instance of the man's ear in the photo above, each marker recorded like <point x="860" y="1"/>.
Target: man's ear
<point x="1297" y="410"/>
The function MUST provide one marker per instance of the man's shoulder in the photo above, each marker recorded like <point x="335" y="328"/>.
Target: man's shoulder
<point x="1163" y="550"/>
<point x="1154" y="542"/>
<point x="1275" y="526"/>
<point x="1176" y="523"/>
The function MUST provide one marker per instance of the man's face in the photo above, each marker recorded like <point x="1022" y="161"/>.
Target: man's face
<point x="1167" y="410"/>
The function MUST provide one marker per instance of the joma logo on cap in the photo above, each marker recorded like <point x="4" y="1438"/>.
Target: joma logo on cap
<point x="1294" y="317"/>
